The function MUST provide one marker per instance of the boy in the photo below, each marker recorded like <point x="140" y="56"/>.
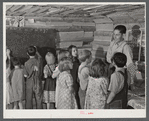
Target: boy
<point x="85" y="58"/>
<point x="33" y="72"/>
<point x="118" y="87"/>
<point x="118" y="44"/>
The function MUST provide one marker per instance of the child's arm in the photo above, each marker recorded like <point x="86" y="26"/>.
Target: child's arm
<point x="110" y="97"/>
<point x="40" y="61"/>
<point x="37" y="53"/>
<point x="84" y="78"/>
<point x="25" y="71"/>
<point x="113" y="87"/>
<point x="45" y="71"/>
<point x="56" y="72"/>
<point x="69" y="82"/>
<point x="9" y="58"/>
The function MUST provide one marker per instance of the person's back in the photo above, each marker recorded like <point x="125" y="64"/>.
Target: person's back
<point x="118" y="87"/>
<point x="29" y="67"/>
<point x="33" y="71"/>
<point x="83" y="74"/>
<point x="97" y="86"/>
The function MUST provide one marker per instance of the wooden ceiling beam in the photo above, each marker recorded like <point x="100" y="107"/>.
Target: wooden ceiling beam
<point x="16" y="7"/>
<point x="26" y="7"/>
<point x="8" y="7"/>
<point x="42" y="9"/>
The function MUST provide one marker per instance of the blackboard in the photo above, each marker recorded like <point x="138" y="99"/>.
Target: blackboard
<point x="18" y="39"/>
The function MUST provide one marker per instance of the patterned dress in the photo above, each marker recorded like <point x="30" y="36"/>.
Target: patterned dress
<point x="49" y="85"/>
<point x="66" y="99"/>
<point x="96" y="93"/>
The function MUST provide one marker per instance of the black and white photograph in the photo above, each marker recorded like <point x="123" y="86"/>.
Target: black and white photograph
<point x="74" y="60"/>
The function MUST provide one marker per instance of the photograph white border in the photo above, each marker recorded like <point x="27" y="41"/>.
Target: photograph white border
<point x="34" y="113"/>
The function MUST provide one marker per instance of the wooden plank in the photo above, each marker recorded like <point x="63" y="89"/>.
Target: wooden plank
<point x="53" y="11"/>
<point x="102" y="38"/>
<point x="88" y="34"/>
<point x="33" y="9"/>
<point x="104" y="43"/>
<point x="18" y="13"/>
<point x="43" y="19"/>
<point x="88" y="28"/>
<point x="103" y="33"/>
<point x="93" y="7"/>
<point x="83" y="23"/>
<point x="8" y="7"/>
<point x="58" y="24"/>
<point x="62" y="19"/>
<point x="68" y="12"/>
<point x="42" y="9"/>
<point x="27" y="7"/>
<point x="69" y="29"/>
<point x="70" y="36"/>
<point x="107" y="27"/>
<point x="85" y="39"/>
<point x="38" y="25"/>
<point x="15" y="7"/>
<point x="67" y="44"/>
<point x="126" y="18"/>
<point x="103" y="20"/>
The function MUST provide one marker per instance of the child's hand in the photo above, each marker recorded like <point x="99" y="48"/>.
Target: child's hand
<point x="35" y="68"/>
<point x="8" y="53"/>
<point x="36" y="48"/>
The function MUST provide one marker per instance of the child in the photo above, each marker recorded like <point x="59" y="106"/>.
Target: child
<point x="33" y="71"/>
<point x="9" y="95"/>
<point x="66" y="97"/>
<point x="56" y="72"/>
<point x="97" y="86"/>
<point x="118" y="87"/>
<point x="50" y="83"/>
<point x="74" y="72"/>
<point x="17" y="84"/>
<point x="85" y="58"/>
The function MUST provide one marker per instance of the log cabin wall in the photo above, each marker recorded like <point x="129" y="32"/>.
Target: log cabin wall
<point x="102" y="37"/>
<point x="86" y="26"/>
<point x="69" y="31"/>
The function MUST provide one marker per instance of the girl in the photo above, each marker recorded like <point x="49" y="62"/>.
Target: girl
<point x="9" y="95"/>
<point x="50" y="83"/>
<point x="66" y="97"/>
<point x="85" y="57"/>
<point x="74" y="72"/>
<point x="56" y="72"/>
<point x="17" y="84"/>
<point x="97" y="86"/>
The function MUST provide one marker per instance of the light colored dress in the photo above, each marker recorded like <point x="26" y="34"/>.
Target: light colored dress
<point x="66" y="99"/>
<point x="18" y="84"/>
<point x="9" y="95"/>
<point x="96" y="93"/>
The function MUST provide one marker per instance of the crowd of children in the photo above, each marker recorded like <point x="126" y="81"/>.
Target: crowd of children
<point x="72" y="80"/>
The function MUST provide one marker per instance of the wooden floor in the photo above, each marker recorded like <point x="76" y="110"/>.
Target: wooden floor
<point x="34" y="104"/>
